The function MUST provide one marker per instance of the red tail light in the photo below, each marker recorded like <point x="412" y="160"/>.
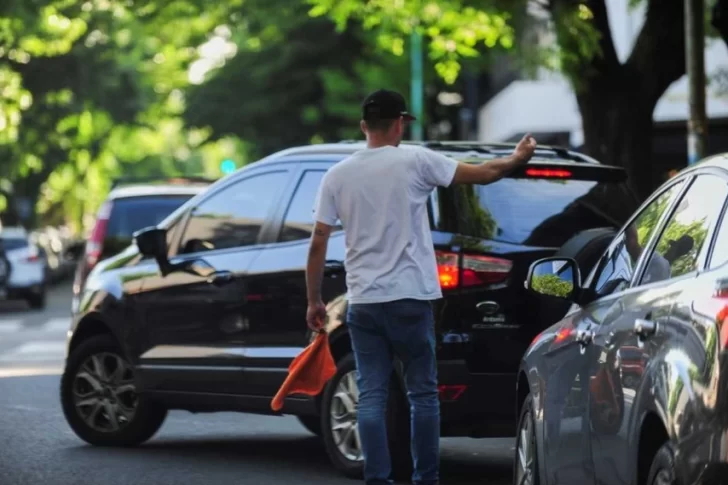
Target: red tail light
<point x="452" y="392"/>
<point x="476" y="270"/>
<point x="548" y="173"/>
<point x="32" y="258"/>
<point x="95" y="244"/>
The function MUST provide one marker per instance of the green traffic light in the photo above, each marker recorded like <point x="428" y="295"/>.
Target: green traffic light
<point x="227" y="166"/>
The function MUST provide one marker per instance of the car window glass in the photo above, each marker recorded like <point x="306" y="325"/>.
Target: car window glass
<point x="617" y="266"/>
<point x="720" y="249"/>
<point x="533" y="211"/>
<point x="234" y="216"/>
<point x="298" y="221"/>
<point x="680" y="244"/>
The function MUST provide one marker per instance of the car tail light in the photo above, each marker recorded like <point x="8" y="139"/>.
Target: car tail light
<point x="451" y="392"/>
<point x="475" y="270"/>
<point x="95" y="244"/>
<point x="549" y="173"/>
<point x="564" y="333"/>
<point x="33" y="258"/>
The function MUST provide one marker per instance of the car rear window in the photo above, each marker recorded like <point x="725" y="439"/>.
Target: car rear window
<point x="13" y="243"/>
<point x="531" y="211"/>
<point x="128" y="215"/>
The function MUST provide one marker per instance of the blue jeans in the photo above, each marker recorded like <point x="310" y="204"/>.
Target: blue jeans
<point x="379" y="332"/>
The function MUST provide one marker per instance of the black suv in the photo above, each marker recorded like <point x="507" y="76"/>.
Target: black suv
<point x="207" y="310"/>
<point x="132" y="204"/>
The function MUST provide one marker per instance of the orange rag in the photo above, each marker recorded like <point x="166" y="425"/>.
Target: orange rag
<point x="309" y="372"/>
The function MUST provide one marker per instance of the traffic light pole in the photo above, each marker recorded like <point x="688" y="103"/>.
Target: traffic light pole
<point x="416" y="89"/>
<point x="695" y="66"/>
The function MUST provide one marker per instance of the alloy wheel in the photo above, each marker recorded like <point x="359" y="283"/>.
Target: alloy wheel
<point x="526" y="452"/>
<point x="663" y="478"/>
<point x="104" y="393"/>
<point x="343" y="417"/>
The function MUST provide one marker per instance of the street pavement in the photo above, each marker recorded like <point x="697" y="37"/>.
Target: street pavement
<point x="37" y="446"/>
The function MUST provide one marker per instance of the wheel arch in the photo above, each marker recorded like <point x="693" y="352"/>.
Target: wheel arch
<point x="652" y="435"/>
<point x="89" y="326"/>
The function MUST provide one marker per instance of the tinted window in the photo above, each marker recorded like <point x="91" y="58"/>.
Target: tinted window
<point x="681" y="243"/>
<point x="234" y="216"/>
<point x="13" y="243"/>
<point x="298" y="222"/>
<point x="720" y="249"/>
<point x="128" y="215"/>
<point x="536" y="212"/>
<point x="616" y="269"/>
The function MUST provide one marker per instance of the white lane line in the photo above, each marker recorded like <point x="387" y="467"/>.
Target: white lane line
<point x="46" y="350"/>
<point x="60" y="324"/>
<point x="10" y="325"/>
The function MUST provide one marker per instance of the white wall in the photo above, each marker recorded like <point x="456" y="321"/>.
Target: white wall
<point x="547" y="104"/>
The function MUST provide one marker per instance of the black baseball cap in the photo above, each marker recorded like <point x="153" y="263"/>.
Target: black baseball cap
<point x="385" y="105"/>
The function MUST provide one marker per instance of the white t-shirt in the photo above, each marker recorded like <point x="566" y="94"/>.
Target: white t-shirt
<point x="658" y="269"/>
<point x="380" y="196"/>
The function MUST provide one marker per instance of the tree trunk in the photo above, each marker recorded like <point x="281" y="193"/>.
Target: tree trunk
<point x="618" y="128"/>
<point x="616" y="99"/>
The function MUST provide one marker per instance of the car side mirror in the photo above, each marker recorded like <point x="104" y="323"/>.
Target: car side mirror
<point x="555" y="277"/>
<point x="152" y="242"/>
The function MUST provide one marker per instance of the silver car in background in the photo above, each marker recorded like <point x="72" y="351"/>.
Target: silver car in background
<point x="22" y="268"/>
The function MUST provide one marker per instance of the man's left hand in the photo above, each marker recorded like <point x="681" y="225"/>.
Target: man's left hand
<point x="316" y="316"/>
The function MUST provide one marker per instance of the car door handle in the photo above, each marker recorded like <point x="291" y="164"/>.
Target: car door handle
<point x="585" y="337"/>
<point x="332" y="267"/>
<point x="644" y="328"/>
<point x="220" y="278"/>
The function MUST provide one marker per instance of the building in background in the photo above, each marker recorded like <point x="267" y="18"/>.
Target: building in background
<point x="546" y="105"/>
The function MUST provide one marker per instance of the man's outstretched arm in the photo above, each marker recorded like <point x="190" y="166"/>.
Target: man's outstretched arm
<point x="494" y="170"/>
<point x="316" y="313"/>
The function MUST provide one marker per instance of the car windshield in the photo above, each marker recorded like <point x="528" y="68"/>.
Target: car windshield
<point x="13" y="243"/>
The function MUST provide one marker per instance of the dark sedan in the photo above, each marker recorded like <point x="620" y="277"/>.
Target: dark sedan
<point x="629" y="387"/>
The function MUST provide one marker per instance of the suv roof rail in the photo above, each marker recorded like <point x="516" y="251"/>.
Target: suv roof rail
<point x="489" y="147"/>
<point x="171" y="180"/>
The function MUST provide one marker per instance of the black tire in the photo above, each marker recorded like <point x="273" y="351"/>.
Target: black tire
<point x="662" y="470"/>
<point x="311" y="423"/>
<point x="526" y="416"/>
<point x="37" y="301"/>
<point x="397" y="425"/>
<point x="146" y="421"/>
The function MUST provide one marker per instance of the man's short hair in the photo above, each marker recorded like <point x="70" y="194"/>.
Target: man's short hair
<point x="380" y="124"/>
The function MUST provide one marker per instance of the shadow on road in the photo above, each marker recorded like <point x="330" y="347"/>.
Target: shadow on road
<point x="301" y="456"/>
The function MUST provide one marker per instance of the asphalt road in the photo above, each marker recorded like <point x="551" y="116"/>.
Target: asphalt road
<point x="36" y="445"/>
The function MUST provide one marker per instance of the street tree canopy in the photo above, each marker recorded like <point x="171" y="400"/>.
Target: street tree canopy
<point x="616" y="98"/>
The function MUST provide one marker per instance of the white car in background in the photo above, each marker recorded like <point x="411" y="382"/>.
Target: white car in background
<point x="22" y="268"/>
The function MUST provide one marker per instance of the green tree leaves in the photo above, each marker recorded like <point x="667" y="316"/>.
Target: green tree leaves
<point x="551" y="285"/>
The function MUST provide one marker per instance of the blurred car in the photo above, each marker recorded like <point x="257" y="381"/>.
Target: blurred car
<point x="22" y="268"/>
<point x="630" y="386"/>
<point x="132" y="204"/>
<point x="207" y="311"/>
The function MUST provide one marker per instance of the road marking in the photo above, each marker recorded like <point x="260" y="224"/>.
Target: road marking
<point x="44" y="350"/>
<point x="10" y="325"/>
<point x="61" y="324"/>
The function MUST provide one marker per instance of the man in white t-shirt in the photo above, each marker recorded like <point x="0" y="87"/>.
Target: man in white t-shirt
<point x="380" y="196"/>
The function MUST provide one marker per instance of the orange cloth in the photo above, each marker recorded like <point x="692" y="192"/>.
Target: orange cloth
<point x="309" y="372"/>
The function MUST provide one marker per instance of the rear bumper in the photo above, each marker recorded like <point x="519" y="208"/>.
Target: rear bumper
<point x="21" y="292"/>
<point x="476" y="405"/>
<point x="25" y="276"/>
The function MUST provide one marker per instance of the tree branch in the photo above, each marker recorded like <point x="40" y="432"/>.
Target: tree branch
<point x="593" y="66"/>
<point x="659" y="52"/>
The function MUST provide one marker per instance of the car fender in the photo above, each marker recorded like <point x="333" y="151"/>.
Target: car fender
<point x="683" y="398"/>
